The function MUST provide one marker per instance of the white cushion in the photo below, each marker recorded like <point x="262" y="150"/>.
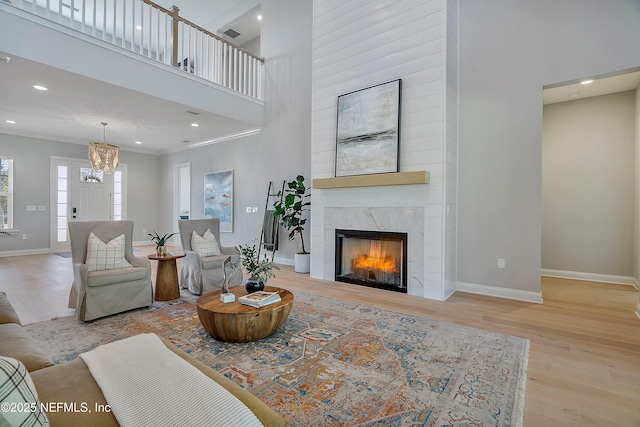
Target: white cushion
<point x="20" y="403"/>
<point x="207" y="245"/>
<point x="105" y="256"/>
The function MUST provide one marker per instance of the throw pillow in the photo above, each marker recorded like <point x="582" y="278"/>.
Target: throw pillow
<point x="20" y="403"/>
<point x="207" y="245"/>
<point x="105" y="256"/>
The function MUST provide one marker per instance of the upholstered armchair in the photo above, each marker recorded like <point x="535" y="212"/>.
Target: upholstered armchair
<point x="203" y="266"/>
<point x="107" y="277"/>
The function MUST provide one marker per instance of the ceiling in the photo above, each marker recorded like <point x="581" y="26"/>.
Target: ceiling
<point x="572" y="91"/>
<point x="73" y="107"/>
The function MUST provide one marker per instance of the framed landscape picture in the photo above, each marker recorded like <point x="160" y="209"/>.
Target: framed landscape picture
<point x="218" y="198"/>
<point x="368" y="131"/>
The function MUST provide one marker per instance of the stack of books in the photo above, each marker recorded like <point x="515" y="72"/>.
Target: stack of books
<point x="260" y="299"/>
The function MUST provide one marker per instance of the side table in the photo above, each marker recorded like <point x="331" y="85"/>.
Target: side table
<point x="167" y="288"/>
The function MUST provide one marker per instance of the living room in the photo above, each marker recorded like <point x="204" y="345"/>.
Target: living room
<point x="483" y="200"/>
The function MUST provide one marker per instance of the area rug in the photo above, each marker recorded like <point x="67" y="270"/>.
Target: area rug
<point x="338" y="363"/>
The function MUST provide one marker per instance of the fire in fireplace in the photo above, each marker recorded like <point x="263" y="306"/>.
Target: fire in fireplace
<point x="372" y="258"/>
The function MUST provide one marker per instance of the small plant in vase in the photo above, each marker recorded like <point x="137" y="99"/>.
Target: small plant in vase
<point x="259" y="270"/>
<point x="290" y="210"/>
<point x="160" y="241"/>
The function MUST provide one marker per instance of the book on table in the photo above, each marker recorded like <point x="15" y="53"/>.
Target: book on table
<point x="260" y="299"/>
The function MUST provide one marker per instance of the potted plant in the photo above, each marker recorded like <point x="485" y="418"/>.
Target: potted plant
<point x="289" y="209"/>
<point x="260" y="271"/>
<point x="160" y="241"/>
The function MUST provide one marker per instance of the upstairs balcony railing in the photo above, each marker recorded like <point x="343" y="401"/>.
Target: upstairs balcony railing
<point x="160" y="34"/>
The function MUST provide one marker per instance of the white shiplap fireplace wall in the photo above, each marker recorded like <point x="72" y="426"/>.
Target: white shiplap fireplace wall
<point x="362" y="43"/>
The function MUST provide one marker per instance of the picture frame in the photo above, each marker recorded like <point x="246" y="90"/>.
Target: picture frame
<point x="368" y="130"/>
<point x="218" y="198"/>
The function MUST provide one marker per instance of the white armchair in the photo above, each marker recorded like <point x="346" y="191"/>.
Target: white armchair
<point x="201" y="274"/>
<point x="101" y="292"/>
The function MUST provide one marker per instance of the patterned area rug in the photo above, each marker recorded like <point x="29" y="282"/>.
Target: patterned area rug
<point x="338" y="363"/>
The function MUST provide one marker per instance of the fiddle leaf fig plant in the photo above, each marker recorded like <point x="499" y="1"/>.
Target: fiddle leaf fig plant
<point x="290" y="207"/>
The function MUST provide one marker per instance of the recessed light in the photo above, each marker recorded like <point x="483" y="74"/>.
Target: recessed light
<point x="586" y="82"/>
<point x="11" y="122"/>
<point x="39" y="87"/>
<point x="259" y="17"/>
<point x="195" y="125"/>
<point x="139" y="142"/>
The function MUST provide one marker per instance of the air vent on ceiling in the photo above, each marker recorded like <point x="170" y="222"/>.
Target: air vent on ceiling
<point x="232" y="33"/>
<point x="195" y="113"/>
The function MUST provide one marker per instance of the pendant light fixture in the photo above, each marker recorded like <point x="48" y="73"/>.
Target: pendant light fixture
<point x="103" y="156"/>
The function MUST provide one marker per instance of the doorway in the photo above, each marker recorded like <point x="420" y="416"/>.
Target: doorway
<point x="80" y="194"/>
<point x="182" y="195"/>
<point x="589" y="179"/>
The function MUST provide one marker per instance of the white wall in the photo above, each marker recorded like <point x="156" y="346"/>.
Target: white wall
<point x="588" y="185"/>
<point x="508" y="51"/>
<point x="362" y="43"/>
<point x="281" y="151"/>
<point x="31" y="163"/>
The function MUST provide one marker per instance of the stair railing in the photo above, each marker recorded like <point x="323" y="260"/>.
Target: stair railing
<point x="160" y="34"/>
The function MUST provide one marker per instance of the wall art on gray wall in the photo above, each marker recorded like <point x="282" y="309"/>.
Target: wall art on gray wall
<point x="218" y="198"/>
<point x="369" y="130"/>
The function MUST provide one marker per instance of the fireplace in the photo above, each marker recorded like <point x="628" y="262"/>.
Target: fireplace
<point x="377" y="259"/>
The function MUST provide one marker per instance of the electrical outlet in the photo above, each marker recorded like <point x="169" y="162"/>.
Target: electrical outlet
<point x="42" y="208"/>
<point x="254" y="209"/>
<point x="31" y="208"/>
<point x="144" y="230"/>
<point x="501" y="263"/>
<point x="248" y="209"/>
<point x="24" y="237"/>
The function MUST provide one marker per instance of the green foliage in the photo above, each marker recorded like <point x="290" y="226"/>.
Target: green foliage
<point x="289" y="211"/>
<point x="160" y="240"/>
<point x="259" y="270"/>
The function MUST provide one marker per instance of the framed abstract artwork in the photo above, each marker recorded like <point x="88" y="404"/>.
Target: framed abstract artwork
<point x="218" y="198"/>
<point x="368" y="131"/>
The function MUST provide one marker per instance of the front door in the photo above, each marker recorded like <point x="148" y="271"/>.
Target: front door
<point x="80" y="194"/>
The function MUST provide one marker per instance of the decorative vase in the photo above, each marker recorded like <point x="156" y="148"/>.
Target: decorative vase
<point x="253" y="285"/>
<point x="302" y="263"/>
<point x="160" y="251"/>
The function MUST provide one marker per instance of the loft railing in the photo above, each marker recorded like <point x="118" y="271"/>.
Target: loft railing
<point x="160" y="34"/>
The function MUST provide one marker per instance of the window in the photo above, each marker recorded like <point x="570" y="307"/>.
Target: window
<point x="6" y="193"/>
<point x="63" y="200"/>
<point x="117" y="196"/>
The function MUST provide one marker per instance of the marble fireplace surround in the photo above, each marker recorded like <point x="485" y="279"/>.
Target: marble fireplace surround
<point x="408" y="220"/>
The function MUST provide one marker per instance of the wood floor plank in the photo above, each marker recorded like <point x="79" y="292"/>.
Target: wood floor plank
<point x="584" y="357"/>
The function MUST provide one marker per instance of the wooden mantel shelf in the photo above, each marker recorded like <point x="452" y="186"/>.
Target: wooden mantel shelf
<point x="398" y="178"/>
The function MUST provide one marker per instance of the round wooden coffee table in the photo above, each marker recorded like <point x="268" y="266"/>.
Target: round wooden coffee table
<point x="237" y="322"/>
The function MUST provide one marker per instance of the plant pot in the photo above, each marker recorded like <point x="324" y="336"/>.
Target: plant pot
<point x="160" y="251"/>
<point x="253" y="286"/>
<point x="302" y="263"/>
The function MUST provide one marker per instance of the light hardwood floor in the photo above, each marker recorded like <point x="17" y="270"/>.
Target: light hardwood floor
<point x="584" y="360"/>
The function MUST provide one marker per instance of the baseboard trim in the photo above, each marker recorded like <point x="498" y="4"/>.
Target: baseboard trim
<point x="494" y="291"/>
<point x="591" y="277"/>
<point x="25" y="252"/>
<point x="283" y="261"/>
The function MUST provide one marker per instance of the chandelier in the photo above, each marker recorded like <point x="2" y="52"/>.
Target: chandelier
<point x="103" y="156"/>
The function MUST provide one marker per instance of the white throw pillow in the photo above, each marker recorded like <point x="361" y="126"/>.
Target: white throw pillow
<point x="105" y="256"/>
<point x="207" y="245"/>
<point x="20" y="403"/>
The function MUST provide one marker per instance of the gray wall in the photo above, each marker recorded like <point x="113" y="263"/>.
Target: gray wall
<point x="281" y="151"/>
<point x="31" y="163"/>
<point x="508" y="51"/>
<point x="588" y="185"/>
